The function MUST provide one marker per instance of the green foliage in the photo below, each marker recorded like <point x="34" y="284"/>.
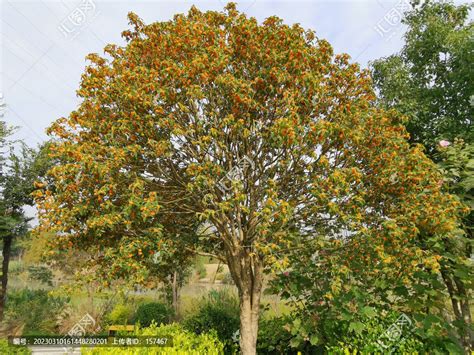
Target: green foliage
<point x="346" y="302"/>
<point x="13" y="350"/>
<point x="200" y="267"/>
<point x="367" y="335"/>
<point x="35" y="309"/>
<point x="168" y="263"/>
<point x="431" y="79"/>
<point x="183" y="340"/>
<point x="121" y="314"/>
<point x="16" y="184"/>
<point x="20" y="169"/>
<point x="41" y="273"/>
<point x="219" y="311"/>
<point x="365" y="331"/>
<point x="153" y="311"/>
<point x="274" y="336"/>
<point x="456" y="162"/>
<point x="372" y="336"/>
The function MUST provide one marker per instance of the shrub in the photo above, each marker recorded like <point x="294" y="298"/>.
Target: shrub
<point x="12" y="350"/>
<point x="286" y="334"/>
<point x="273" y="337"/>
<point x="372" y="332"/>
<point x="120" y="314"/>
<point x="218" y="311"/>
<point x="36" y="309"/>
<point x="184" y="342"/>
<point x="41" y="273"/>
<point x="153" y="311"/>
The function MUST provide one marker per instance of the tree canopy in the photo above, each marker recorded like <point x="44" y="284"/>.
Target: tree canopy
<point x="430" y="80"/>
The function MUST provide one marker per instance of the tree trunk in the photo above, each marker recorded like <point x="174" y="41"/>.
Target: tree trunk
<point x="215" y="274"/>
<point x="468" y="337"/>
<point x="7" y="244"/>
<point x="247" y="271"/>
<point x="461" y="308"/>
<point x="249" y="314"/>
<point x="452" y="293"/>
<point x="174" y="290"/>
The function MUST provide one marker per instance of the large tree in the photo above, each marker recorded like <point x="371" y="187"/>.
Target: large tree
<point x="242" y="133"/>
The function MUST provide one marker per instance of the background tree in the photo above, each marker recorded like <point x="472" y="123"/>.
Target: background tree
<point x="431" y="79"/>
<point x="256" y="131"/>
<point x="456" y="162"/>
<point x="6" y="221"/>
<point x="171" y="265"/>
<point x="19" y="171"/>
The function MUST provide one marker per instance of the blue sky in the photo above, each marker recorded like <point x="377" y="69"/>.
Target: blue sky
<point x="43" y="43"/>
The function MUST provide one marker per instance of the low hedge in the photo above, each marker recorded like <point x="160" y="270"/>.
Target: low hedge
<point x="183" y="342"/>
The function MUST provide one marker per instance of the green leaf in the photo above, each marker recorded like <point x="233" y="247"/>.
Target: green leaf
<point x="295" y="342"/>
<point x="369" y="311"/>
<point x="314" y="339"/>
<point x="358" y="327"/>
<point x="347" y="316"/>
<point x="454" y="349"/>
<point x="297" y="323"/>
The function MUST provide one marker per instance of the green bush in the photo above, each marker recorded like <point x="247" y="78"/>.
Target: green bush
<point x="12" y="350"/>
<point x="41" y="273"/>
<point x="183" y="342"/>
<point x="120" y="314"/>
<point x="36" y="309"/>
<point x="153" y="311"/>
<point x="367" y="335"/>
<point x="218" y="311"/>
<point x="273" y="337"/>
